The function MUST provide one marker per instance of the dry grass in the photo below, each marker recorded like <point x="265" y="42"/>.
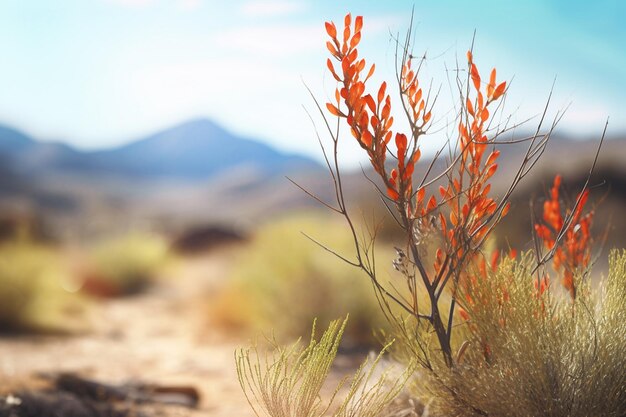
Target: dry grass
<point x="537" y="355"/>
<point x="288" y="381"/>
<point x="282" y="281"/>
<point x="34" y="294"/>
<point x="127" y="264"/>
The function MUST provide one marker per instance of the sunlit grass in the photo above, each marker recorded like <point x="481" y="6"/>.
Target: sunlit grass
<point x="529" y="354"/>
<point x="288" y="380"/>
<point x="282" y="281"/>
<point x="34" y="293"/>
<point x="126" y="265"/>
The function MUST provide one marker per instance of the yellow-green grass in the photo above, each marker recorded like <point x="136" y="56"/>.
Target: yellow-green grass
<point x="37" y="294"/>
<point x="282" y="281"/>
<point x="530" y="354"/>
<point x="125" y="265"/>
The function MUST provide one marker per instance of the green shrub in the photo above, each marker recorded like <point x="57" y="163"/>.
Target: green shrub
<point x="32" y="294"/>
<point x="288" y="381"/>
<point x="282" y="281"/>
<point x="125" y="265"/>
<point x="531" y="354"/>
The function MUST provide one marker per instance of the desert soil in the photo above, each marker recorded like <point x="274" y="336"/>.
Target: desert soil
<point x="162" y="337"/>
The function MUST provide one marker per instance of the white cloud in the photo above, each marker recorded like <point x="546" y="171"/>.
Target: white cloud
<point x="286" y="39"/>
<point x="274" y="40"/>
<point x="267" y="8"/>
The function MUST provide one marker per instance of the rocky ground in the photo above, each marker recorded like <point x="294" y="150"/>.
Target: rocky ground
<point x="160" y="338"/>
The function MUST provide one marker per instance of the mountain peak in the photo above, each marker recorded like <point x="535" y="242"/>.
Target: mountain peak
<point x="193" y="150"/>
<point x="198" y="125"/>
<point x="197" y="149"/>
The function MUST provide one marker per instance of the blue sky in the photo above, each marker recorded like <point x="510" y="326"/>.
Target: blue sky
<point x="97" y="73"/>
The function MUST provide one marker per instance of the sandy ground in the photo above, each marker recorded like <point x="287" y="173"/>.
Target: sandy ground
<point x="162" y="336"/>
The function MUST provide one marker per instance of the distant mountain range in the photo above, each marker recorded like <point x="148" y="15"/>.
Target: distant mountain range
<point x="193" y="173"/>
<point x="192" y="151"/>
<point x="198" y="173"/>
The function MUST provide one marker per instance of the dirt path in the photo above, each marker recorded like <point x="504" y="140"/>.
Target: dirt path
<point x="161" y="337"/>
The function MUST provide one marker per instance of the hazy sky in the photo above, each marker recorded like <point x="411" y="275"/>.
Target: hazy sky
<point x="97" y="73"/>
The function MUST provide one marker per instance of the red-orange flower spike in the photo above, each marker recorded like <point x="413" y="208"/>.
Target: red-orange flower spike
<point x="369" y="116"/>
<point x="358" y="24"/>
<point x="413" y="95"/>
<point x="471" y="207"/>
<point x="333" y="110"/>
<point x="492" y="83"/>
<point x="359" y="105"/>
<point x="393" y="194"/>
<point x="475" y="76"/>
<point x="574" y="250"/>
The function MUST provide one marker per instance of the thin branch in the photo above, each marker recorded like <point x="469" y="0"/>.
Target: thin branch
<point x="329" y="250"/>
<point x="314" y="197"/>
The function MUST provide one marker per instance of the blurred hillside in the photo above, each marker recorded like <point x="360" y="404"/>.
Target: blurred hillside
<point x="194" y="150"/>
<point x="197" y="173"/>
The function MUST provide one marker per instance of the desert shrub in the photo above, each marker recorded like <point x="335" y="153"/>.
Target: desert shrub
<point x="492" y="336"/>
<point x="282" y="281"/>
<point x="533" y="351"/>
<point x="32" y="294"/>
<point x="125" y="265"/>
<point x="288" y="381"/>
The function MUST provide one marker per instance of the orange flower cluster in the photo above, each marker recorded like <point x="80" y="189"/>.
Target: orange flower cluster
<point x="469" y="206"/>
<point x="370" y="122"/>
<point x="464" y="213"/>
<point x="467" y="194"/>
<point x="369" y="118"/>
<point x="574" y="250"/>
<point x="414" y="95"/>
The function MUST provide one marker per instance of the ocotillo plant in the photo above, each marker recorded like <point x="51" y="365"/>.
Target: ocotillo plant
<point x="533" y="354"/>
<point x="461" y="216"/>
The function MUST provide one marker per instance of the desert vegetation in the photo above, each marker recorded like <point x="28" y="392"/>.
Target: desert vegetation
<point x="125" y="265"/>
<point x="480" y="331"/>
<point x="171" y="244"/>
<point x="277" y="272"/>
<point x="290" y="381"/>
<point x="33" y="295"/>
<point x="46" y="289"/>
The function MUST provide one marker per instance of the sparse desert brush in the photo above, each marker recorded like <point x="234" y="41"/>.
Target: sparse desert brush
<point x="33" y="297"/>
<point x="492" y="334"/>
<point x="125" y="265"/>
<point x="533" y="351"/>
<point x="280" y="281"/>
<point x="288" y="381"/>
